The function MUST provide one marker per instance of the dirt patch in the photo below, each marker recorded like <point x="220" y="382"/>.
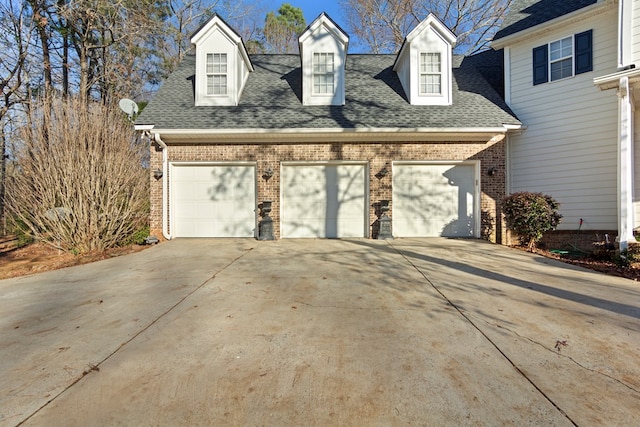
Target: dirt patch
<point x="38" y="257"/>
<point x="604" y="266"/>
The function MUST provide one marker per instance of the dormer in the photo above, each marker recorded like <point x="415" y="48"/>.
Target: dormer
<point x="222" y="64"/>
<point x="423" y="64"/>
<point x="323" y="53"/>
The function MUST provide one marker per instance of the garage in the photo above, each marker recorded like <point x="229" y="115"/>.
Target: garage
<point x="326" y="200"/>
<point x="435" y="199"/>
<point x="213" y="200"/>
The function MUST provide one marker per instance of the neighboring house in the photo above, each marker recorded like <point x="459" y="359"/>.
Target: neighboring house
<point x="570" y="78"/>
<point x="326" y="137"/>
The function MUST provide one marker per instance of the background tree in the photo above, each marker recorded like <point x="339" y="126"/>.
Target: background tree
<point x="79" y="183"/>
<point x="382" y="25"/>
<point x="16" y="30"/>
<point x="281" y="31"/>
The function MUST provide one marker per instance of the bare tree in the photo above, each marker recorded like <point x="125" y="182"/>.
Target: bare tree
<point x="381" y="25"/>
<point x="16" y="32"/>
<point x="79" y="183"/>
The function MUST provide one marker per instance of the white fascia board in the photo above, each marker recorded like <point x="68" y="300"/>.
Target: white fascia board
<point x="216" y="22"/>
<point x="612" y="81"/>
<point x="577" y="16"/>
<point x="143" y="127"/>
<point x="229" y="33"/>
<point x="432" y="21"/>
<point x="324" y="20"/>
<point x="308" y="135"/>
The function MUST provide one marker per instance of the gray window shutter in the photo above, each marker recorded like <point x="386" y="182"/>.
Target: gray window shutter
<point x="540" y="65"/>
<point x="584" y="51"/>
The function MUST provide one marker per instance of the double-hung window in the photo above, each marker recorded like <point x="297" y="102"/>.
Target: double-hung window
<point x="430" y="73"/>
<point x="563" y="58"/>
<point x="323" y="73"/>
<point x="216" y="73"/>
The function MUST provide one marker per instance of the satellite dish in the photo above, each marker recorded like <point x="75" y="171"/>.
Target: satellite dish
<point x="128" y="106"/>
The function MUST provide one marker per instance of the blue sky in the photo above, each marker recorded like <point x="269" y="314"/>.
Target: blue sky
<point x="312" y="8"/>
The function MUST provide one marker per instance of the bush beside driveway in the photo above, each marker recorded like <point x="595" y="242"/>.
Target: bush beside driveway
<point x="422" y="331"/>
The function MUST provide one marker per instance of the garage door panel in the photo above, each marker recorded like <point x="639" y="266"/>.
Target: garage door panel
<point x="323" y="201"/>
<point x="213" y="200"/>
<point x="434" y="200"/>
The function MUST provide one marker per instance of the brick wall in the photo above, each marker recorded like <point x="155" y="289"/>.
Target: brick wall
<point x="378" y="155"/>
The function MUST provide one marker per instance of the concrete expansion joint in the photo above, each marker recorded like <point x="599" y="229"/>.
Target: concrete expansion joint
<point x="94" y="368"/>
<point x="556" y="350"/>
<point x="471" y="322"/>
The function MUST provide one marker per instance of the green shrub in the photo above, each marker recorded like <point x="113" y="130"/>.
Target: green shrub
<point x="138" y="237"/>
<point x="530" y="215"/>
<point x="21" y="231"/>
<point x="625" y="258"/>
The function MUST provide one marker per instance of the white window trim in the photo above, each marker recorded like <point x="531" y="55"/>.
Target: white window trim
<point x="314" y="74"/>
<point x="550" y="61"/>
<point x="429" y="73"/>
<point x="214" y="73"/>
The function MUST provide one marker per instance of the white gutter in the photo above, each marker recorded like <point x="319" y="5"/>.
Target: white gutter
<point x="165" y="182"/>
<point x="612" y="81"/>
<point x="312" y="135"/>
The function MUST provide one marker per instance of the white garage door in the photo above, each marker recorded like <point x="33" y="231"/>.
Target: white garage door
<point x="324" y="200"/>
<point x="213" y="200"/>
<point x="434" y="200"/>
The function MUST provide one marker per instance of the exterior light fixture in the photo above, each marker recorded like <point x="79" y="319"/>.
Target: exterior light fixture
<point x="157" y="174"/>
<point x="492" y="171"/>
<point x="268" y="173"/>
<point x="383" y="172"/>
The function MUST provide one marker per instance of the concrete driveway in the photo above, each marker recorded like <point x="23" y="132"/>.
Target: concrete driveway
<point x="320" y="332"/>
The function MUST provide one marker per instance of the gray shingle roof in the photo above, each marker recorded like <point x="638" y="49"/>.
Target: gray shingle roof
<point x="374" y="99"/>
<point x="524" y="14"/>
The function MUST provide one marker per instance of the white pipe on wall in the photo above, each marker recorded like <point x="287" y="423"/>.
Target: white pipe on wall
<point x="165" y="183"/>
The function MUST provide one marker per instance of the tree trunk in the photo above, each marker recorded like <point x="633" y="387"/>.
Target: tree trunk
<point x="39" y="16"/>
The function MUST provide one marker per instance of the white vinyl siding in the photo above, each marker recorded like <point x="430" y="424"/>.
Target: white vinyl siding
<point x="635" y="43"/>
<point x="569" y="146"/>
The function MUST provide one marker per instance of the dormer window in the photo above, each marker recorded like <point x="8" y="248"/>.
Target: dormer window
<point x="216" y="74"/>
<point x="424" y="63"/>
<point x="222" y="64"/>
<point x="430" y="73"/>
<point x="323" y="74"/>
<point x="323" y="56"/>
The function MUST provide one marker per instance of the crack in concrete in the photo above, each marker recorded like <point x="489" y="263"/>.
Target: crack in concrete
<point x="476" y="327"/>
<point x="595" y="371"/>
<point x="96" y="367"/>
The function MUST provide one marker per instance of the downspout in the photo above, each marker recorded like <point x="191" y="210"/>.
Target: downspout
<point x="165" y="183"/>
<point x="626" y="220"/>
